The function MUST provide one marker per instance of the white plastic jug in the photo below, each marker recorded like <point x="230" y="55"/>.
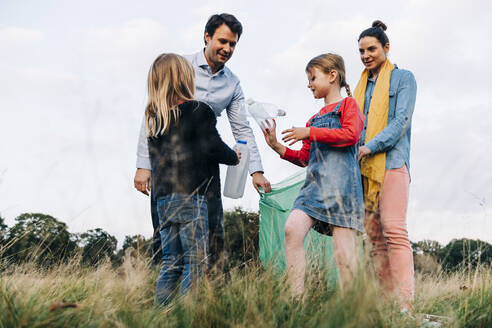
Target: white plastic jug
<point x="263" y="112"/>
<point x="236" y="175"/>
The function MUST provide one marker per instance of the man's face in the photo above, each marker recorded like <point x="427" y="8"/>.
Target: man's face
<point x="220" y="46"/>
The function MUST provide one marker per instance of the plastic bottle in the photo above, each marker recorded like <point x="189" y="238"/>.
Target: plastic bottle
<point x="263" y="113"/>
<point x="236" y="175"/>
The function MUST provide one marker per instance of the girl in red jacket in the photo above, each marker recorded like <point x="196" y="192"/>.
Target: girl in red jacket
<point x="331" y="199"/>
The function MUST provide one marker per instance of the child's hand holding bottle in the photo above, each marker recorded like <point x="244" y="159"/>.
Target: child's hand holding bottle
<point x="271" y="138"/>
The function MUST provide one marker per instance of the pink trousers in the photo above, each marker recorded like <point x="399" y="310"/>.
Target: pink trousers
<point x="391" y="252"/>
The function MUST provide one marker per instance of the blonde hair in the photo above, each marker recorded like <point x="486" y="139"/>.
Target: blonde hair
<point x="171" y="81"/>
<point x="329" y="62"/>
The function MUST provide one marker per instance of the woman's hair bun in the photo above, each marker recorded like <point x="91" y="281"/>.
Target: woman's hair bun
<point x="378" y="23"/>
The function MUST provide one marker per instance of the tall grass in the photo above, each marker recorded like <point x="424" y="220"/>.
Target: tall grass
<point x="71" y="296"/>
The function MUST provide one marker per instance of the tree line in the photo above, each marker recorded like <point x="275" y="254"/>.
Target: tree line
<point x="44" y="240"/>
<point x="459" y="254"/>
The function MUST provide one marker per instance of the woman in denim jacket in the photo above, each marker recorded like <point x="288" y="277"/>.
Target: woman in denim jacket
<point x="386" y="95"/>
<point x="185" y="151"/>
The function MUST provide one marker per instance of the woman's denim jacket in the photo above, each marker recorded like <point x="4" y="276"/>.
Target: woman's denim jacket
<point x="395" y="138"/>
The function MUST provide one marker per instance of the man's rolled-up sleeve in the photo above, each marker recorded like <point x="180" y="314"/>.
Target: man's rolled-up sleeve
<point x="241" y="129"/>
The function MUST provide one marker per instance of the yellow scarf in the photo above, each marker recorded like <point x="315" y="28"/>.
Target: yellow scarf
<point x="373" y="167"/>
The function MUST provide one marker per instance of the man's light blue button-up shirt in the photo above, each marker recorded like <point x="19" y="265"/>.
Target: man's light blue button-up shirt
<point x="220" y="91"/>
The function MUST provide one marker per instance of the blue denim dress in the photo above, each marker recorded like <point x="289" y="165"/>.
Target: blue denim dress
<point x="332" y="192"/>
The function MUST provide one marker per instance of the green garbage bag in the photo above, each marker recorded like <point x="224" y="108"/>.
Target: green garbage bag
<point x="274" y="209"/>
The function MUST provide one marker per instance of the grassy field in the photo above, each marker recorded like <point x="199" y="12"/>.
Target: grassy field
<point x="69" y="296"/>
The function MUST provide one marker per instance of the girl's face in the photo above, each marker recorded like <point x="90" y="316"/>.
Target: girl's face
<point x="320" y="82"/>
<point x="372" y="53"/>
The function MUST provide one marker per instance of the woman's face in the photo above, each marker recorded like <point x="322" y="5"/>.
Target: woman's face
<point x="372" y="53"/>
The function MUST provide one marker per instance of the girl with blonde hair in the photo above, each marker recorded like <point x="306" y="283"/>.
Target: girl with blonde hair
<point x="331" y="199"/>
<point x="185" y="151"/>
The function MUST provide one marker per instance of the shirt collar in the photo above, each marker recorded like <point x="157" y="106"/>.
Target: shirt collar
<point x="201" y="61"/>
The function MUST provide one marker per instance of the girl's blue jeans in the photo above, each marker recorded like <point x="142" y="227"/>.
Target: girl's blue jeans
<point x="183" y="230"/>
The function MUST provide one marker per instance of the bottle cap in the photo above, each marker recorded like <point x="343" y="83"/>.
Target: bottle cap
<point x="242" y="142"/>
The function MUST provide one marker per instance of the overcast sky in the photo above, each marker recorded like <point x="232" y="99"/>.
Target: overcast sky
<point x="73" y="91"/>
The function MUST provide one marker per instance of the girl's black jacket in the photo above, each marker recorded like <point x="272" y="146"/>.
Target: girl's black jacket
<point x="186" y="159"/>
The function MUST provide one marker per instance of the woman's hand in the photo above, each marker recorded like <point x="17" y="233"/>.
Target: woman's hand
<point x="271" y="137"/>
<point x="295" y="134"/>
<point x="363" y="152"/>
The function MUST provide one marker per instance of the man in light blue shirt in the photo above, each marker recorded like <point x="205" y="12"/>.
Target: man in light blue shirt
<point x="220" y="88"/>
